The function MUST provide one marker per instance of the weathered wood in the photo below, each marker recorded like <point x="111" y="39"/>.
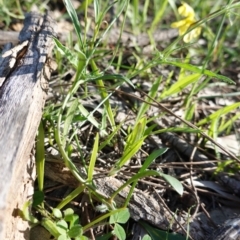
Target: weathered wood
<point x="23" y="75"/>
<point x="7" y="36"/>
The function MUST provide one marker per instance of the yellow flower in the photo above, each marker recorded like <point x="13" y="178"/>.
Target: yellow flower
<point x="183" y="25"/>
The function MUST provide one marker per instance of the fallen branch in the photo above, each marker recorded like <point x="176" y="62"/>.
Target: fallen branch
<point x="23" y="83"/>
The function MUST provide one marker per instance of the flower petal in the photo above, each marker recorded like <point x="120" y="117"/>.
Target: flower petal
<point x="183" y="29"/>
<point x="186" y="11"/>
<point x="183" y="25"/>
<point x="179" y="23"/>
<point x="192" y="35"/>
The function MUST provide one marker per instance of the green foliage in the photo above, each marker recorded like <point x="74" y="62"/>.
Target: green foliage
<point x="146" y="105"/>
<point x="197" y="70"/>
<point x="133" y="144"/>
<point x="157" y="234"/>
<point x="65" y="226"/>
<point x="219" y="113"/>
<point x="40" y="158"/>
<point x="71" y="196"/>
<point x="10" y="9"/>
<point x="38" y="198"/>
<point x="229" y="166"/>
<point x="27" y="215"/>
<point x="119" y="217"/>
<point x="93" y="158"/>
<point x="71" y="56"/>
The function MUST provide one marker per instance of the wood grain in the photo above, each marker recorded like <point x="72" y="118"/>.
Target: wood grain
<point x="22" y="98"/>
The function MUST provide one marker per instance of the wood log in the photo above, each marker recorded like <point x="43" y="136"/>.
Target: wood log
<point x="24" y="71"/>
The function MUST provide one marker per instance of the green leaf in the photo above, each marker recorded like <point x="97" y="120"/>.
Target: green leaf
<point x="57" y="213"/>
<point x="173" y="182"/>
<point x="137" y="132"/>
<point x="96" y="10"/>
<point x="119" y="232"/>
<point x="105" y="236"/>
<point x="190" y="111"/>
<point x="146" y="237"/>
<point x="228" y="123"/>
<point x="26" y="213"/>
<point x="68" y="120"/>
<point x="151" y="158"/>
<point x="145" y="105"/>
<point x="181" y="84"/>
<point x="40" y="161"/>
<point x="146" y="164"/>
<point x="129" y="152"/>
<point x="133" y="143"/>
<point x="73" y="15"/>
<point x="75" y="231"/>
<point x="157" y="234"/>
<point x="50" y="226"/>
<point x="197" y="69"/>
<point x="93" y="158"/>
<point x="146" y="173"/>
<point x="90" y="118"/>
<point x="72" y="57"/>
<point x="38" y="198"/>
<point x="110" y="137"/>
<point x="160" y="10"/>
<point x="120" y="217"/>
<point x="119" y="77"/>
<point x="81" y="238"/>
<point x="72" y="219"/>
<point x="71" y="196"/>
<point x="62" y="226"/>
<point x="64" y="237"/>
<point x="68" y="212"/>
<point x="219" y="113"/>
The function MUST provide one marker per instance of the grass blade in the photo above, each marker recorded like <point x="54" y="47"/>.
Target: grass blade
<point x="221" y="112"/>
<point x="73" y="15"/>
<point x="93" y="158"/>
<point x="40" y="157"/>
<point x="198" y="70"/>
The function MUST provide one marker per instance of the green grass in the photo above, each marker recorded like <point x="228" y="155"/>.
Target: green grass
<point x="190" y="68"/>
